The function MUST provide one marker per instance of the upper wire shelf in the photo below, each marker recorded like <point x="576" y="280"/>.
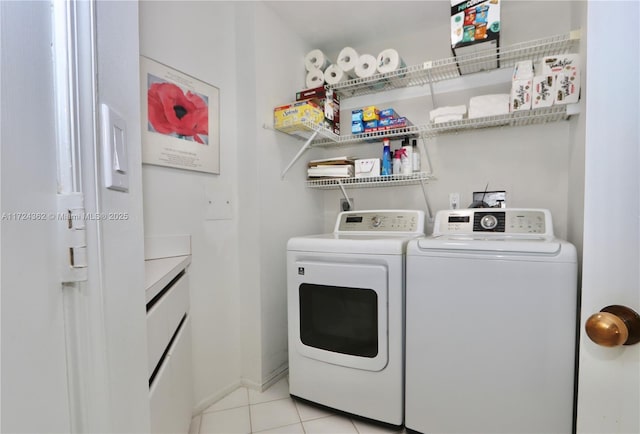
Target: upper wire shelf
<point x="449" y="68"/>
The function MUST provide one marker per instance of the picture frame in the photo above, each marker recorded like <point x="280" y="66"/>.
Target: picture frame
<point x="180" y="119"/>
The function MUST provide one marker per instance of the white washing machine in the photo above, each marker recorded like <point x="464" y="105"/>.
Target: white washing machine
<point x="491" y="325"/>
<point x="345" y="311"/>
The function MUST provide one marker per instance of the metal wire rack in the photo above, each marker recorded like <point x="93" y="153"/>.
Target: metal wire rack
<point x="373" y="181"/>
<point x="444" y="69"/>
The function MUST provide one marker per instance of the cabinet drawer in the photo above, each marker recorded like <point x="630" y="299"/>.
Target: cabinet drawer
<point x="163" y="318"/>
<point x="171" y="392"/>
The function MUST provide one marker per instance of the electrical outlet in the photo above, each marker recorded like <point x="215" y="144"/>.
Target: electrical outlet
<point x="344" y="204"/>
<point x="454" y="200"/>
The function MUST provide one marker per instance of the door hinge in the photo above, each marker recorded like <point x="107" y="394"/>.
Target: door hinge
<point x="72" y="237"/>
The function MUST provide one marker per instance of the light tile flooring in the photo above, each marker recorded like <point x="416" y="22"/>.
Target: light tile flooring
<point x="273" y="411"/>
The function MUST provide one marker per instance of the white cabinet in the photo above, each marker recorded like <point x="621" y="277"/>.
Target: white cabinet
<point x="169" y="350"/>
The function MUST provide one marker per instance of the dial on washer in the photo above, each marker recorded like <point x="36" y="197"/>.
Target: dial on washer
<point x="488" y="222"/>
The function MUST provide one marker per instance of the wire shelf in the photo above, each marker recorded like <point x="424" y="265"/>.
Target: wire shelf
<point x="376" y="136"/>
<point x="373" y="181"/>
<point x="519" y="118"/>
<point x="449" y="68"/>
<point x="430" y="130"/>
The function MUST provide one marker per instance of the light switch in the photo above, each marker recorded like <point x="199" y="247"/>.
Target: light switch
<point x="114" y="150"/>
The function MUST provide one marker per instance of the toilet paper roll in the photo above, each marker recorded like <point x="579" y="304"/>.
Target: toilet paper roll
<point x="315" y="78"/>
<point x="315" y="59"/>
<point x="334" y="74"/>
<point x="347" y="60"/>
<point x="389" y="60"/>
<point x="366" y="66"/>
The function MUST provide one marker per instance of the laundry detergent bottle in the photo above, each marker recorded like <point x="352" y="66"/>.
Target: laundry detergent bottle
<point x="386" y="158"/>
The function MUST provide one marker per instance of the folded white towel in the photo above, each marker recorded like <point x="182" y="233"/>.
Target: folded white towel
<point x="450" y="110"/>
<point x="488" y="105"/>
<point x="447" y="118"/>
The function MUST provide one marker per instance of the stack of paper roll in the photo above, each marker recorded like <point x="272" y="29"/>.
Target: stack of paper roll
<point x="334" y="74"/>
<point x="315" y="62"/>
<point x="316" y="59"/>
<point x="366" y="66"/>
<point x="388" y="61"/>
<point x="315" y="78"/>
<point x="347" y="61"/>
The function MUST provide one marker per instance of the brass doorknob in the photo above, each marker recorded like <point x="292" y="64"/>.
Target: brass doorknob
<point x="613" y="326"/>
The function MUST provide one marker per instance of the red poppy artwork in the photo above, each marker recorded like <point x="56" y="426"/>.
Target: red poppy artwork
<point x="180" y="119"/>
<point x="177" y="113"/>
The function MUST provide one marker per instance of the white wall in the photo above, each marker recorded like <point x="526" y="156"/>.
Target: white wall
<point x="530" y="163"/>
<point x="237" y="275"/>
<point x="197" y="38"/>
<point x="287" y="207"/>
<point x="122" y="241"/>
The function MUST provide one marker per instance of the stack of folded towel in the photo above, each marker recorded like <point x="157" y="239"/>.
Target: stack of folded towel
<point x="447" y="114"/>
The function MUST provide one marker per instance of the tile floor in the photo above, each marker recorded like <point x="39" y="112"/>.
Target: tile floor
<point x="273" y="411"/>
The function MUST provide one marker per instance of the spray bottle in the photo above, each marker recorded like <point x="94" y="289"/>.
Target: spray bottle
<point x="386" y="158"/>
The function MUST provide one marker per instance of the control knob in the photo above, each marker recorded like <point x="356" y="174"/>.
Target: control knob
<point x="489" y="222"/>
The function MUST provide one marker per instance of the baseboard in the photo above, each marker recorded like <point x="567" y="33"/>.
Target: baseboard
<point x="212" y="399"/>
<point x="276" y="376"/>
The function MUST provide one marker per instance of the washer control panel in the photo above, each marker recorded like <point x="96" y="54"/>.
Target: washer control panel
<point x="409" y="221"/>
<point x="503" y="221"/>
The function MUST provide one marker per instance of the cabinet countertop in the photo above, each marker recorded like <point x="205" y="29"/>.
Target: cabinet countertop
<point x="159" y="272"/>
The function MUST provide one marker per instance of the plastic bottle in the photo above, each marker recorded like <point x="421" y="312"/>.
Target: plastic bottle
<point x="406" y="163"/>
<point x="397" y="162"/>
<point x="386" y="158"/>
<point x="408" y="151"/>
<point x="415" y="154"/>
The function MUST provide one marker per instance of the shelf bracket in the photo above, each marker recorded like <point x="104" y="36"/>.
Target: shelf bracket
<point x="423" y="146"/>
<point x="426" y="201"/>
<point x="299" y="154"/>
<point x="344" y="193"/>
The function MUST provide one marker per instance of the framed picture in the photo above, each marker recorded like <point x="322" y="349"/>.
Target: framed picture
<point x="180" y="119"/>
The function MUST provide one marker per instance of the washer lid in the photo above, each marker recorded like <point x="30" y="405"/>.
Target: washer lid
<point x="491" y="244"/>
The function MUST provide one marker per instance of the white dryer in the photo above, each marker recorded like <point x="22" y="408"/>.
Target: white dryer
<point x="345" y="311"/>
<point x="491" y="325"/>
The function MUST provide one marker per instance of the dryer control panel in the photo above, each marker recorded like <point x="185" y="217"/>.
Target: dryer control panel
<point x="380" y="221"/>
<point x="514" y="221"/>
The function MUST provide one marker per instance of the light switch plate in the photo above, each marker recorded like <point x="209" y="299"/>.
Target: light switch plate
<point x="115" y="158"/>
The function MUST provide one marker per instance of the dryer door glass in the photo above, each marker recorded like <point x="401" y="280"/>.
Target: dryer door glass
<point x="339" y="319"/>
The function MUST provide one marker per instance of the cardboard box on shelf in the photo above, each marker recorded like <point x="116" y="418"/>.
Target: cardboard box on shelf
<point x="314" y="93"/>
<point x="567" y="89"/>
<point x="475" y="26"/>
<point x="290" y="117"/>
<point x="520" y="95"/>
<point x="370" y="113"/>
<point x="367" y="167"/>
<point x="560" y="63"/>
<point x="543" y="91"/>
<point x="357" y="127"/>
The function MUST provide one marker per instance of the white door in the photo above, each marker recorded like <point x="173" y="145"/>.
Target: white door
<point x="609" y="378"/>
<point x="35" y="392"/>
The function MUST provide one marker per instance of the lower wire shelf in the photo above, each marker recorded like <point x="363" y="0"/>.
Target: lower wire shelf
<point x="372" y="181"/>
